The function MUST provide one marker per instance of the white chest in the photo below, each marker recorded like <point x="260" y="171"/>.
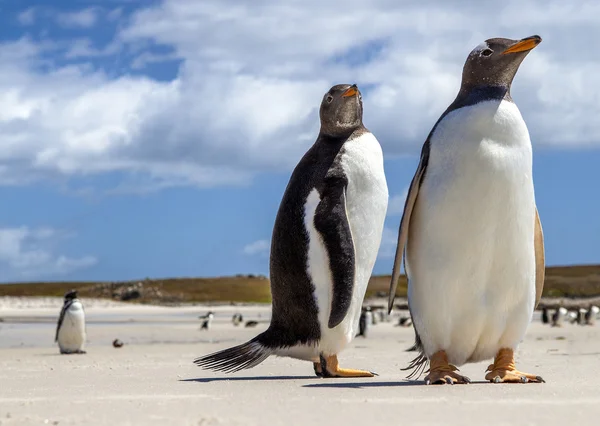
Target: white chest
<point x="471" y="236"/>
<point x="366" y="206"/>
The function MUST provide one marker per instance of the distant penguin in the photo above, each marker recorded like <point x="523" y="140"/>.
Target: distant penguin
<point x="591" y="315"/>
<point x="363" y="324"/>
<point x="545" y="317"/>
<point x="324" y="245"/>
<point x="581" y="314"/>
<point x="559" y="316"/>
<point x="250" y="324"/>
<point x="237" y="319"/>
<point x="374" y="319"/>
<point x="70" y="329"/>
<point x="572" y="316"/>
<point x="206" y="320"/>
<point x="470" y="232"/>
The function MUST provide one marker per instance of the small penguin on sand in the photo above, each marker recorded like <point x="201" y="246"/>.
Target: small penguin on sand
<point x="545" y="316"/>
<point x="70" y="329"/>
<point x="364" y="322"/>
<point x="324" y="246"/>
<point x="237" y="319"/>
<point x="581" y="314"/>
<point x="473" y="238"/>
<point x="206" y="320"/>
<point x="591" y="315"/>
<point x="558" y="316"/>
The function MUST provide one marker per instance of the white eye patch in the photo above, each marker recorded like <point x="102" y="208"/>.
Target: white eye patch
<point x="479" y="48"/>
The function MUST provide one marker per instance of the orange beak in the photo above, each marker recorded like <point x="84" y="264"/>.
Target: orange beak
<point x="350" y="92"/>
<point x="524" y="45"/>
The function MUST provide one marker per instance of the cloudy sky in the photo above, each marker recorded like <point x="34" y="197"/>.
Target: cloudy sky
<point x="156" y="139"/>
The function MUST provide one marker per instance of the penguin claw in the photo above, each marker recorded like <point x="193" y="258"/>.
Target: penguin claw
<point x="441" y="372"/>
<point x="503" y="370"/>
<point x="330" y="368"/>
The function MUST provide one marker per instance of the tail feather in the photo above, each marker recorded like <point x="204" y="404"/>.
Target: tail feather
<point x="237" y="358"/>
<point x="418" y="364"/>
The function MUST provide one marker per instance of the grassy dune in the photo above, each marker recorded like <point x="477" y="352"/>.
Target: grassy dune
<point x="561" y="281"/>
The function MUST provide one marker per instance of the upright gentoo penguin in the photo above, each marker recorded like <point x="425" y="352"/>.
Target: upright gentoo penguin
<point x="591" y="315"/>
<point x="70" y="329"/>
<point x="206" y="320"/>
<point x="237" y="319"/>
<point x="559" y="316"/>
<point x="474" y="244"/>
<point x="324" y="245"/>
<point x="363" y="324"/>
<point x="545" y="317"/>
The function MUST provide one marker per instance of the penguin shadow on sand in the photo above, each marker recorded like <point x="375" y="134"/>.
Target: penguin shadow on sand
<point x="247" y="379"/>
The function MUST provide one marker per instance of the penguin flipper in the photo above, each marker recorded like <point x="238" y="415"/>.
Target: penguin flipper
<point x="61" y="318"/>
<point x="409" y="204"/>
<point x="331" y="221"/>
<point x="540" y="264"/>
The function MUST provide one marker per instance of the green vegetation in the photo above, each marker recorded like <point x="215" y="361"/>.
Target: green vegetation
<point x="561" y="281"/>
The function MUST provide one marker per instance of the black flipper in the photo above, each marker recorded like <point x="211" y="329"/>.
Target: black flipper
<point x="240" y="357"/>
<point x="61" y="318"/>
<point x="331" y="222"/>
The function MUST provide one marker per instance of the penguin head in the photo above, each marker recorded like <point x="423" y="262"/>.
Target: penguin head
<point x="496" y="61"/>
<point x="341" y="110"/>
<point x="71" y="294"/>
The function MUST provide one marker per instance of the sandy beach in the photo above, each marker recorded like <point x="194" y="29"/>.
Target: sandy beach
<point x="151" y="380"/>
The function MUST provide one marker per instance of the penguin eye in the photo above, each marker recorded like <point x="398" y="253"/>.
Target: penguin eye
<point x="487" y="52"/>
<point x="329" y="98"/>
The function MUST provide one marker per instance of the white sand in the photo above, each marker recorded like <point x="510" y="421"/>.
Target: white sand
<point x="152" y="380"/>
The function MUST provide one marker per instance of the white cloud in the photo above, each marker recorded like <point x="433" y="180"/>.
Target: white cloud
<point x="27" y="17"/>
<point x="396" y="203"/>
<point x="245" y="97"/>
<point x="27" y="253"/>
<point x="260" y="247"/>
<point x="84" y="18"/>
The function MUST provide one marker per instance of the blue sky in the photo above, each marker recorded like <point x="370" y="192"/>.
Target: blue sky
<point x="155" y="139"/>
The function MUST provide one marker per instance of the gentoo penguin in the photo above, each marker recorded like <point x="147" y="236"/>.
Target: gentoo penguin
<point x="591" y="315"/>
<point x="545" y="317"/>
<point x="363" y="324"/>
<point x="70" y="329"/>
<point x="237" y="319"/>
<point x="324" y="245"/>
<point x="474" y="245"/>
<point x="206" y="320"/>
<point x="581" y="314"/>
<point x="558" y="316"/>
<point x="572" y="317"/>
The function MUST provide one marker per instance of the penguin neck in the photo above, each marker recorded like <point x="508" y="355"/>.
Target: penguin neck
<point x="474" y="94"/>
<point x="342" y="135"/>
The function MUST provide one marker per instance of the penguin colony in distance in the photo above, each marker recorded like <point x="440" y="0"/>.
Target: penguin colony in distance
<point x="70" y="329"/>
<point x="470" y="233"/>
<point x="580" y="316"/>
<point x="324" y="245"/>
